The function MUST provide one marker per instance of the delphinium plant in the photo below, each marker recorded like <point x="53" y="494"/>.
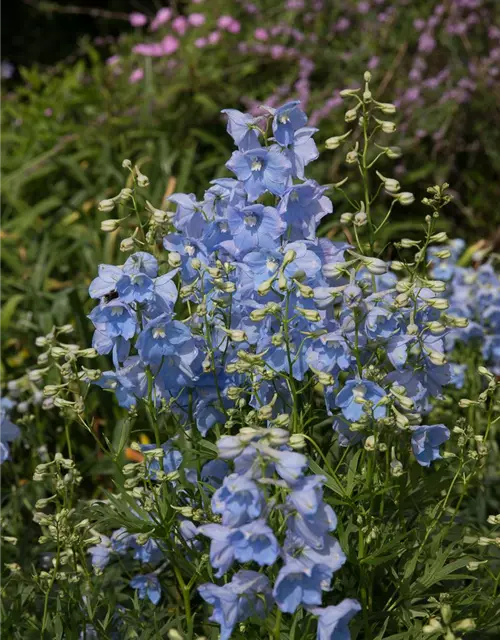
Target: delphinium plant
<point x="292" y="479"/>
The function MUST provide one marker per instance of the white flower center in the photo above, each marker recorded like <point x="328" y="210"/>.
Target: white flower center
<point x="250" y="220"/>
<point x="223" y="226"/>
<point x="190" y="250"/>
<point x="271" y="264"/>
<point x="137" y="280"/>
<point x="284" y="118"/>
<point x="294" y="196"/>
<point x="256" y="164"/>
<point x="158" y="332"/>
<point x="116" y="311"/>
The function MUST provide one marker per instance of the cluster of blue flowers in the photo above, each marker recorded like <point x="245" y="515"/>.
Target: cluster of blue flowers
<point x="270" y="302"/>
<point x="270" y="510"/>
<point x="8" y="430"/>
<point x="473" y="294"/>
<point x="269" y="311"/>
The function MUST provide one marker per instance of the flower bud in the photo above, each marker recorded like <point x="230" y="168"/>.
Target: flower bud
<point x="237" y="335"/>
<point x="346" y="218"/>
<point x="258" y="314"/>
<point x="360" y="219"/>
<point x="126" y="164"/>
<point x="446" y="613"/>
<point x="110" y="225"/>
<point x="335" y="141"/>
<point x="351" y="115"/>
<point x="348" y="92"/>
<point x="370" y="443"/>
<point x="386" y="107"/>
<point x="125" y="194"/>
<point x="436" y="328"/>
<point x="391" y="185"/>
<point x="438" y="303"/>
<point x="387" y="126"/>
<point x="466" y="624"/>
<point x="405" y="198"/>
<point x="173" y="634"/>
<point x="297" y="441"/>
<point x="106" y="205"/>
<point x="351" y="157"/>
<point x="439" y="237"/>
<point x="290" y="256"/>
<point x="396" y="468"/>
<point x="432" y="626"/>
<point x="127" y="244"/>
<point x="437" y="358"/>
<point x="375" y="266"/>
<point x="142" y="180"/>
<point x="393" y="153"/>
<point x="174" y="259"/>
<point x="309" y="314"/>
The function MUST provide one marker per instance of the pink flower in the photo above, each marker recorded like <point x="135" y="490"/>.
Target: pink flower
<point x="161" y="18"/>
<point x="198" y="1"/>
<point x="136" y="76"/>
<point x="343" y="24"/>
<point x="196" y="19"/>
<point x="214" y="37"/>
<point x="261" y="34"/>
<point x="277" y="51"/>
<point x="169" y="44"/>
<point x="180" y="25"/>
<point x="113" y="60"/>
<point x="419" y="24"/>
<point x="199" y="43"/>
<point x="234" y="27"/>
<point x="137" y="19"/>
<point x="155" y="50"/>
<point x="373" y="62"/>
<point x="224" y="22"/>
<point x="363" y="7"/>
<point x="48" y="112"/>
<point x="426" y="43"/>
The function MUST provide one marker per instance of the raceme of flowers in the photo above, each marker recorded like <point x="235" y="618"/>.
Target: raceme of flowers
<point x="236" y="324"/>
<point x="475" y="294"/>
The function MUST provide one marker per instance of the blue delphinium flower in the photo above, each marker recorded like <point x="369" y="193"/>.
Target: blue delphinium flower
<point x="248" y="594"/>
<point x="241" y="127"/>
<point x="254" y="226"/>
<point x="148" y="586"/>
<point x="238" y="500"/>
<point x="286" y="120"/>
<point x="425" y="441"/>
<point x="260" y="170"/>
<point x="355" y="394"/>
<point x="334" y="620"/>
<point x="162" y="337"/>
<point x="298" y="584"/>
<point x="100" y="553"/>
<point x="172" y="459"/>
<point x="8" y="430"/>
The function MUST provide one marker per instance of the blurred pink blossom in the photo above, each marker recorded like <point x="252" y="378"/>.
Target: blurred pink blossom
<point x="137" y="19"/>
<point x="199" y="43"/>
<point x="136" y="76"/>
<point x="161" y="18"/>
<point x="214" y="37"/>
<point x="196" y="19"/>
<point x="180" y="25"/>
<point x="426" y="43"/>
<point x="224" y="22"/>
<point x="261" y="34"/>
<point x="234" y="27"/>
<point x="170" y="44"/>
